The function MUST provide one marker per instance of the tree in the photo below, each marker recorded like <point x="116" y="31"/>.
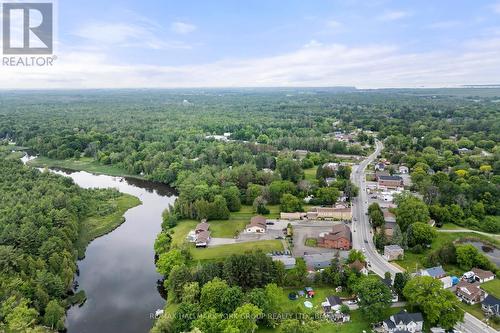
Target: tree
<point x="289" y="169"/>
<point x="178" y="277"/>
<point x="296" y="326"/>
<point x="468" y="257"/>
<point x="397" y="236"/>
<point x="211" y="293"/>
<point x="184" y="316"/>
<point x="191" y="292"/>
<point x="210" y="322"/>
<point x="327" y="195"/>
<point x="374" y="298"/>
<point x="420" y="233"/>
<point x="244" y="318"/>
<point x="54" y="315"/>
<point x="278" y="188"/>
<point x="168" y="260"/>
<point x="400" y="280"/>
<point x="410" y="210"/>
<point x="253" y="191"/>
<point x="218" y="209"/>
<point x="290" y="203"/>
<point x="355" y="255"/>
<point x="441" y="309"/>
<point x="259" y="206"/>
<point x="232" y="196"/>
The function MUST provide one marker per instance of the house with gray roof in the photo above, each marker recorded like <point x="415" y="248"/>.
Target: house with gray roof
<point x="404" y="322"/>
<point x="491" y="306"/>
<point x="436" y="272"/>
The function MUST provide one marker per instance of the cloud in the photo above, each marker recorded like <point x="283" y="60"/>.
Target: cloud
<point x="314" y="64"/>
<point x="393" y="15"/>
<point x="143" y="34"/>
<point x="182" y="28"/>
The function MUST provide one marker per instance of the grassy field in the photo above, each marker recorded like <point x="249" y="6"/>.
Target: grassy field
<point x="310" y="174"/>
<point x="313" y="242"/>
<point x="412" y="261"/>
<point x="222" y="251"/>
<point x="96" y="226"/>
<point x="81" y="164"/>
<point x="221" y="228"/>
<point x="492" y="287"/>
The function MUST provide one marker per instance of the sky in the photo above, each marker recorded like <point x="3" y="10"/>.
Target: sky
<point x="268" y="43"/>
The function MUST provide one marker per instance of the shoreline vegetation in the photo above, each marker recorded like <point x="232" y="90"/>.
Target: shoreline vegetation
<point x="82" y="164"/>
<point x="95" y="226"/>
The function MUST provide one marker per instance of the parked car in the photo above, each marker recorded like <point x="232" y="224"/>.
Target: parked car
<point x="279" y="237"/>
<point x="269" y="223"/>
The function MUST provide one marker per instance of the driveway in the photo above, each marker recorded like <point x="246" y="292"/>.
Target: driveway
<point x="307" y="229"/>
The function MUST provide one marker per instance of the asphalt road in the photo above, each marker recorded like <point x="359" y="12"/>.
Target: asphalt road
<point x="361" y="229"/>
<point x="363" y="238"/>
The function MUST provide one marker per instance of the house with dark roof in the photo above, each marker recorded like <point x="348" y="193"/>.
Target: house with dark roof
<point x="331" y="307"/>
<point x="389" y="284"/>
<point x="393" y="252"/>
<point x="338" y="238"/>
<point x="491" y="306"/>
<point x="257" y="225"/>
<point x="403" y="321"/>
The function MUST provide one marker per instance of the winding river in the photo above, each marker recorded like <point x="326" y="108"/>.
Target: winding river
<point x="118" y="272"/>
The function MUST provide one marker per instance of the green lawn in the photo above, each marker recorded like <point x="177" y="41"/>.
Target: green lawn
<point x="222" y="251"/>
<point x="221" y="228"/>
<point x="310" y="174"/>
<point x="413" y="261"/>
<point x="313" y="242"/>
<point x="492" y="287"/>
<point x="96" y="226"/>
<point x="81" y="164"/>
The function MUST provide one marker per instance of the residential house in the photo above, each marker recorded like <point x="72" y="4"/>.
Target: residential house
<point x="390" y="222"/>
<point x="359" y="266"/>
<point x="331" y="166"/>
<point x="339" y="212"/>
<point x="257" y="225"/>
<point x="404" y="321"/>
<point x="288" y="261"/>
<point x="436" y="272"/>
<point x="470" y="293"/>
<point x="202" y="239"/>
<point x="331" y="307"/>
<point x="491" y="306"/>
<point x="393" y="252"/>
<point x="338" y="238"/>
<point x="330" y="181"/>
<point x="482" y="276"/>
<point x="447" y="282"/>
<point x="389" y="182"/>
<point x="380" y="166"/>
<point x="403" y="169"/>
<point x="202" y="226"/>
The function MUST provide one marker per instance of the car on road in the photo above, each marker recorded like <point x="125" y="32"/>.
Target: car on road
<point x="364" y="250"/>
<point x="366" y="242"/>
<point x="269" y="223"/>
<point x="279" y="237"/>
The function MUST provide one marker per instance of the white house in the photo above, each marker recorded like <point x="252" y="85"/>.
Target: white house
<point x="403" y="169"/>
<point x="404" y="321"/>
<point x="482" y="276"/>
<point x="447" y="282"/>
<point x="257" y="225"/>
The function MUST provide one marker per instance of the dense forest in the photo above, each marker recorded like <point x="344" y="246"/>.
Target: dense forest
<point x="41" y="218"/>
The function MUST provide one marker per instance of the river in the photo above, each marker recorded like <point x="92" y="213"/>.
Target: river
<point x="118" y="272"/>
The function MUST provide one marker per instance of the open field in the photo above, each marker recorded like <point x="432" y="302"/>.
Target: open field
<point x="81" y="164"/>
<point x="492" y="287"/>
<point x="96" y="226"/>
<point x="221" y="228"/>
<point x="413" y="261"/>
<point x="222" y="251"/>
<point x="310" y="174"/>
